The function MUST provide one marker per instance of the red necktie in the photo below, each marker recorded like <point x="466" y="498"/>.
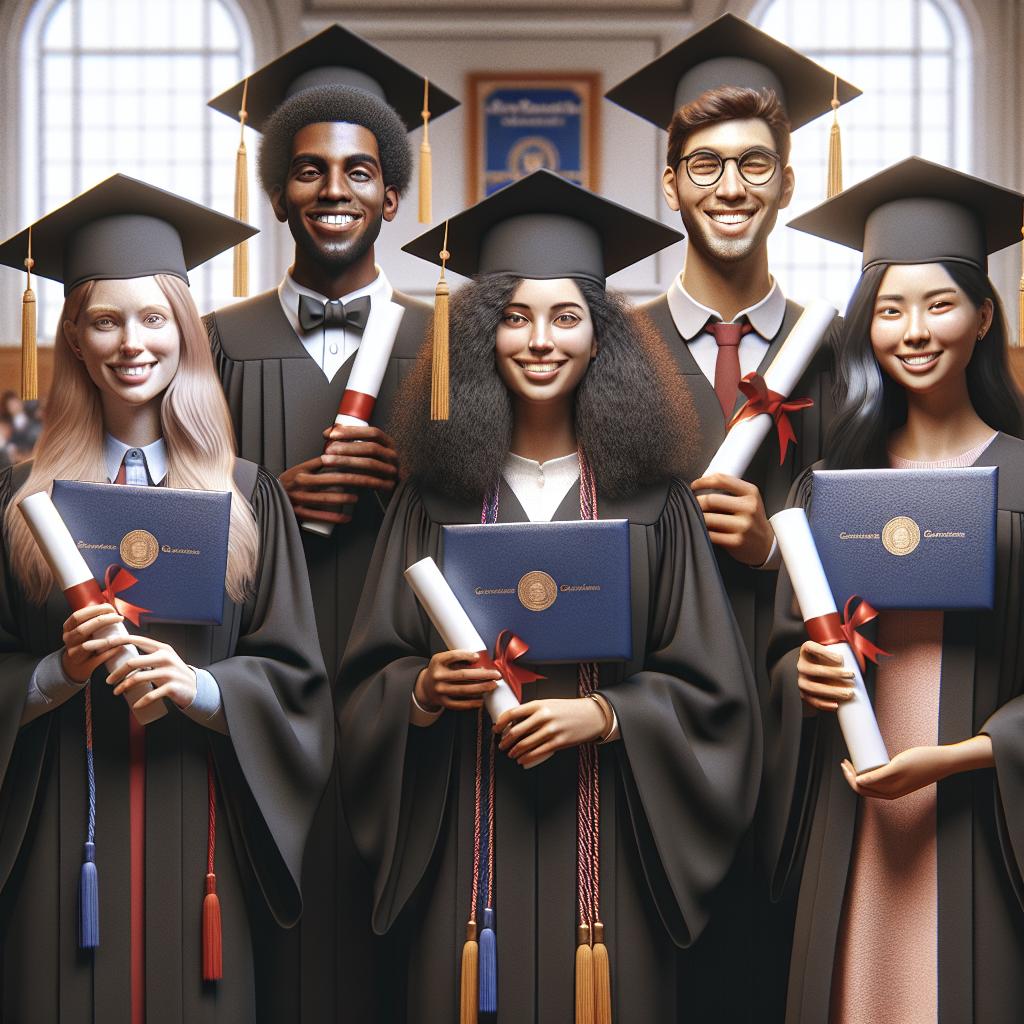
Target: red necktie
<point x="727" y="365"/>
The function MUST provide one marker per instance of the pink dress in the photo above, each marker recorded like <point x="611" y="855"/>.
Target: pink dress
<point x="886" y="965"/>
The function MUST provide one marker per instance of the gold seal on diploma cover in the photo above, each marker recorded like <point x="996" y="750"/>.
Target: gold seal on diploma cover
<point x="537" y="591"/>
<point x="901" y="535"/>
<point x="139" y="549"/>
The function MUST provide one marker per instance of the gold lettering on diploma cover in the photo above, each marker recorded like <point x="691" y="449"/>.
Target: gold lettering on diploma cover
<point x="537" y="591"/>
<point x="901" y="535"/>
<point x="139" y="549"/>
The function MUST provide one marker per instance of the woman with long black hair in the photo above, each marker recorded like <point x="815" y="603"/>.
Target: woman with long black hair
<point x="910" y="874"/>
<point x="604" y="856"/>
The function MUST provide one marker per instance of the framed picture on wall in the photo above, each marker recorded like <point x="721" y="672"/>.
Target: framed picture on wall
<point x="521" y="122"/>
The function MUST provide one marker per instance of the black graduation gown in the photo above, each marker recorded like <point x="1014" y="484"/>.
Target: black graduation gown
<point x="980" y="814"/>
<point x="745" y="925"/>
<point x="677" y="790"/>
<point x="280" y="404"/>
<point x="270" y="772"/>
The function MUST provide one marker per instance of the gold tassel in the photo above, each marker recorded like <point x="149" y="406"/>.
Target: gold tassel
<point x="439" y="364"/>
<point x="240" y="287"/>
<point x="468" y="995"/>
<point x="584" y="976"/>
<point x="602" y="978"/>
<point x="426" y="161"/>
<point x="835" y="146"/>
<point x="1020" y="298"/>
<point x="29" y="349"/>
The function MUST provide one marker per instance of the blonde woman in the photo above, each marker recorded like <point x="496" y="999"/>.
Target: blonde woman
<point x="225" y="784"/>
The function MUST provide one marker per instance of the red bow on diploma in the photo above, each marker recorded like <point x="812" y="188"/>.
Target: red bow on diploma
<point x="117" y="579"/>
<point x="830" y="629"/>
<point x="761" y="400"/>
<point x="508" y="649"/>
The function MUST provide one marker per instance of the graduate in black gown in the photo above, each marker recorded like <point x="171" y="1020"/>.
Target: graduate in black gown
<point x="729" y="97"/>
<point x="228" y="779"/>
<point x="910" y="893"/>
<point x="562" y="407"/>
<point x="335" y="162"/>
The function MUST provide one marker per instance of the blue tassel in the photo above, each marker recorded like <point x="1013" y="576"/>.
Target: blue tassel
<point x="89" y="901"/>
<point x="488" y="965"/>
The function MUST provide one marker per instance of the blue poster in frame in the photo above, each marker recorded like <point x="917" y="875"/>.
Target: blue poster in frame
<point x="523" y="122"/>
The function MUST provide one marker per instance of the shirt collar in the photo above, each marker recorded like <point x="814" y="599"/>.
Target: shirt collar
<point x="690" y="316"/>
<point x="289" y="290"/>
<point x="155" y="455"/>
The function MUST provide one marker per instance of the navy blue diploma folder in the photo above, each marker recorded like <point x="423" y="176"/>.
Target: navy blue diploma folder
<point x="908" y="538"/>
<point x="174" y="542"/>
<point x="563" y="587"/>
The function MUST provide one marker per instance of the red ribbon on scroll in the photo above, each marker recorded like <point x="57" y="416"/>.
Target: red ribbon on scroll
<point x="761" y="400"/>
<point x="355" y="403"/>
<point x="508" y="649"/>
<point x="117" y="579"/>
<point x="830" y="629"/>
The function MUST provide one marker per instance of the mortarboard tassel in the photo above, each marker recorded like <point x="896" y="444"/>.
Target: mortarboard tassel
<point x="213" y="960"/>
<point x="439" y="364"/>
<point x="602" y="978"/>
<point x="240" y="286"/>
<point x="1020" y="297"/>
<point x="426" y="161"/>
<point x="29" y="353"/>
<point x="468" y="993"/>
<point x="835" y="147"/>
<point x="88" y="885"/>
<point x="584" y="976"/>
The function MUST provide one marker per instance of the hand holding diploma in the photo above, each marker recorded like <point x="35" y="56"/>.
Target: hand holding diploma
<point x="72" y="576"/>
<point x="832" y="684"/>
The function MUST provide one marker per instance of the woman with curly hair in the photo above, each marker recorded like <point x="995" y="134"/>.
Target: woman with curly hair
<point x="193" y="827"/>
<point x="600" y="859"/>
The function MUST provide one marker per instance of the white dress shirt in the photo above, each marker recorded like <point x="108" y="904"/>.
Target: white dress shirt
<point x="691" y="318"/>
<point x="330" y="346"/>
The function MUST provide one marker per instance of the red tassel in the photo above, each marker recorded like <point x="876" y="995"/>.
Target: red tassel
<point x="213" y="963"/>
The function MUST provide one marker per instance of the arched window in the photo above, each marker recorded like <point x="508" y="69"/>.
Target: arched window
<point x="911" y="59"/>
<point x="119" y="85"/>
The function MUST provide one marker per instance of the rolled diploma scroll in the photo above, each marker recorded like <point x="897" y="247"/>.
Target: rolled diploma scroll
<point x="452" y="622"/>
<point x="813" y="594"/>
<point x="741" y="443"/>
<point x="69" y="570"/>
<point x="364" y="381"/>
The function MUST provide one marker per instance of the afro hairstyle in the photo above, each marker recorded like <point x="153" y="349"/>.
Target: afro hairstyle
<point x="326" y="103"/>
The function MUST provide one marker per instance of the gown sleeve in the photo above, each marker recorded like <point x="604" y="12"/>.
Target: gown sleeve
<point x="21" y="750"/>
<point x="275" y="763"/>
<point x="690" y="751"/>
<point x="394" y="776"/>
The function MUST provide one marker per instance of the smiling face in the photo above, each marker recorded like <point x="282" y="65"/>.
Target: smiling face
<point x="730" y="220"/>
<point x="127" y="337"/>
<point x="545" y="341"/>
<point x="924" y="328"/>
<point x="334" y="198"/>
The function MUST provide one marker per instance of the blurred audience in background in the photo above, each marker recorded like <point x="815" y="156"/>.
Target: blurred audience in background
<point x="20" y="426"/>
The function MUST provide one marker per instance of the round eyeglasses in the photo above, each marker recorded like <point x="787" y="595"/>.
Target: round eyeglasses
<point x="756" y="166"/>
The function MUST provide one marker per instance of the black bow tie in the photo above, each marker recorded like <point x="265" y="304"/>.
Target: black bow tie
<point x="351" y="315"/>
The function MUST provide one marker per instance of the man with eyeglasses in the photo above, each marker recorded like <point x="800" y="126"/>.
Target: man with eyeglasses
<point x="730" y="95"/>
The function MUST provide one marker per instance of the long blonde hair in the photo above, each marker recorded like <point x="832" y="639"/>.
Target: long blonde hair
<point x="196" y="429"/>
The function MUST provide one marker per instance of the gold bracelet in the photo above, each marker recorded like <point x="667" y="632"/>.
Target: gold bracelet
<point x="606" y="713"/>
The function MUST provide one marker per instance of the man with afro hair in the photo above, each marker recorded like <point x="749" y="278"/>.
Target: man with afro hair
<point x="334" y="161"/>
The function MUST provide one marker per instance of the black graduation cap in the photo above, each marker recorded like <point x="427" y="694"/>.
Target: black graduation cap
<point x="731" y="52"/>
<point x="917" y="211"/>
<point x="539" y="227"/>
<point x="122" y="228"/>
<point x="543" y="226"/>
<point x="334" y="57"/>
